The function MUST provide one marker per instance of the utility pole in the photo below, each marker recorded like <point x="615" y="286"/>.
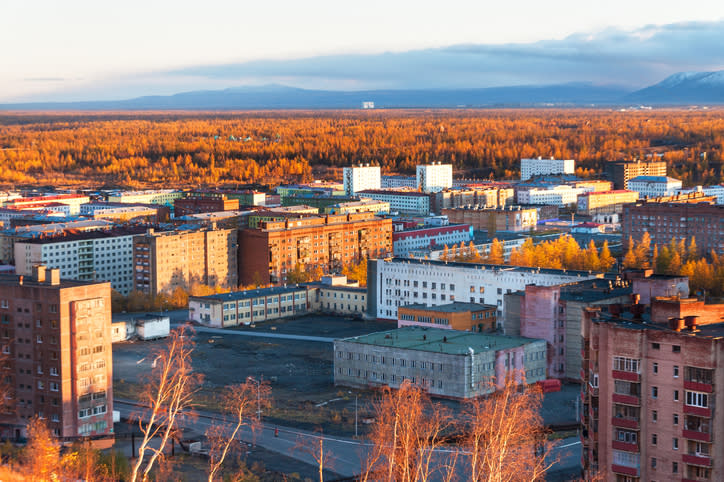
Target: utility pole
<point x="355" y="415"/>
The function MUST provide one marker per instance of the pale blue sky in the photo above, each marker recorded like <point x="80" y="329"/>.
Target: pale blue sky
<point x="89" y="49"/>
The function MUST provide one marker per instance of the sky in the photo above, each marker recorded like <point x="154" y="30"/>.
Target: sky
<point x="90" y="49"/>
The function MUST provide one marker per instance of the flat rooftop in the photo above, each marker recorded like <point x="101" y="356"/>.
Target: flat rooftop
<point x="492" y="267"/>
<point x="449" y="342"/>
<point x="454" y="307"/>
<point x="247" y="294"/>
<point x="66" y="236"/>
<point x="14" y="279"/>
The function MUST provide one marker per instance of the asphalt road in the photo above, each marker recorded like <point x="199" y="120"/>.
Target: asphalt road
<point x="346" y="455"/>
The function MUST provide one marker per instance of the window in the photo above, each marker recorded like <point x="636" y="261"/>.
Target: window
<point x="655" y="368"/>
<point x="654" y="439"/>
<point x="697" y="399"/>
<point x="698" y="375"/>
<point x="676" y="348"/>
<point x="655" y="346"/>
<point x="654" y="416"/>
<point x="625" y="364"/>
<point x="676" y="395"/>
<point x="675" y="443"/>
<point x="676" y="371"/>
<point x="626" y="436"/>
<point x="675" y="467"/>
<point x="653" y="462"/>
<point x="654" y="392"/>
<point x="53" y="387"/>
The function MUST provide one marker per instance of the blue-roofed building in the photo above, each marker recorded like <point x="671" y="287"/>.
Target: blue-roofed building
<point x="654" y="186"/>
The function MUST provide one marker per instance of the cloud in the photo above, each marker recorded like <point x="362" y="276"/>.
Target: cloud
<point x="632" y="58"/>
<point x="44" y="79"/>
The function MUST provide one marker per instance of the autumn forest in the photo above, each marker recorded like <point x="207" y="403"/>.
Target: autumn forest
<point x="185" y="148"/>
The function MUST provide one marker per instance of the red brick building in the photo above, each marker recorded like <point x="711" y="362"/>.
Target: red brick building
<point x="56" y="337"/>
<point x="268" y="253"/>
<point x="650" y="397"/>
<point x="204" y="203"/>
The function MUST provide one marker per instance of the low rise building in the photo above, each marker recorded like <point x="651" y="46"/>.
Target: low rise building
<point x="156" y="196"/>
<point x="248" y="306"/>
<point x="124" y="213"/>
<point x="361" y="206"/>
<point x="446" y="363"/>
<point x="605" y="202"/>
<point x="333" y="294"/>
<point x="196" y="203"/>
<point x="396" y="182"/>
<point x="451" y="316"/>
<point x="53" y="202"/>
<point x="561" y="195"/>
<point x="430" y="238"/>
<point x="539" y="166"/>
<point x="512" y="218"/>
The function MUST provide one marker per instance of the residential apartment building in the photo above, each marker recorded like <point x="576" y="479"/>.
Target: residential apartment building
<point x="166" y="260"/>
<point x="157" y="196"/>
<point x="561" y="195"/>
<point x="679" y="219"/>
<point x="248" y="306"/>
<point x="362" y="206"/>
<point x="204" y="203"/>
<point x="360" y="178"/>
<point x="654" y="186"/>
<point x="540" y="166"/>
<point x="395" y="282"/>
<point x="446" y="363"/>
<point x="620" y="172"/>
<point x="124" y="213"/>
<point x="652" y="397"/>
<point x="72" y="201"/>
<point x="396" y="182"/>
<point x="89" y="256"/>
<point x="451" y="316"/>
<point x="553" y="313"/>
<point x="268" y="253"/>
<point x="491" y="197"/>
<point x="512" y="218"/>
<point x="56" y="337"/>
<point x="434" y="177"/>
<point x="605" y="202"/>
<point x="404" y="202"/>
<point x="430" y="238"/>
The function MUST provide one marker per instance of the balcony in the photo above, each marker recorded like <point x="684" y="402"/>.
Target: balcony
<point x="698" y="387"/>
<point x="700" y="411"/>
<point x="628" y="447"/>
<point x="626" y="399"/>
<point x="696" y="435"/>
<point x="628" y="376"/>
<point x="620" y="469"/>
<point x="625" y="422"/>
<point x="701" y="460"/>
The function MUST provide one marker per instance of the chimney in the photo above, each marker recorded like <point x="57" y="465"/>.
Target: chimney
<point x="39" y="273"/>
<point x="692" y="321"/>
<point x="676" y="324"/>
<point x="54" y="277"/>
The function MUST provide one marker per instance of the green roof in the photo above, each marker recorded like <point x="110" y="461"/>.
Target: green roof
<point x="450" y="342"/>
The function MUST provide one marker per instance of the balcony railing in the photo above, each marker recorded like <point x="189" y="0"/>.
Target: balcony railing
<point x="628" y="447"/>
<point x="621" y="469"/>
<point x="629" y="376"/>
<point x="702" y="460"/>
<point x="700" y="411"/>
<point x="696" y="435"/>
<point x="626" y="399"/>
<point x="698" y="387"/>
<point x="625" y="422"/>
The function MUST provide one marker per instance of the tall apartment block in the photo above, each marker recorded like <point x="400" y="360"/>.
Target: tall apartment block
<point x="89" y="256"/>
<point x="56" y="337"/>
<point x="542" y="167"/>
<point x="680" y="218"/>
<point x="620" y="172"/>
<point x="268" y="253"/>
<point x="166" y="260"/>
<point x="652" y="396"/>
<point x="434" y="177"/>
<point x="361" y="177"/>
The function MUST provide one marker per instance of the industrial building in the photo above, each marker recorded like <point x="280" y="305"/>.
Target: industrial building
<point x="56" y="337"/>
<point x="446" y="363"/>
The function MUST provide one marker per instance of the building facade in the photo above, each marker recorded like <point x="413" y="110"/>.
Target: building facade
<point x="361" y="178"/>
<point x="446" y="363"/>
<point x="561" y="195"/>
<point x="72" y="201"/>
<point x="158" y="196"/>
<point x="248" y="306"/>
<point x="430" y="238"/>
<point x="541" y="167"/>
<point x="452" y="316"/>
<point x="204" y="203"/>
<point x="434" y="177"/>
<point x="166" y="260"/>
<point x="362" y="206"/>
<point x="89" y="256"/>
<point x="654" y="186"/>
<point x="491" y="197"/>
<point x="512" y="218"/>
<point x="269" y="253"/>
<point x="56" y="335"/>
<point x="678" y="220"/>
<point x="605" y="202"/>
<point x="395" y="282"/>
<point x="620" y="172"/>
<point x="403" y="202"/>
<point x="651" y="398"/>
<point x="335" y="295"/>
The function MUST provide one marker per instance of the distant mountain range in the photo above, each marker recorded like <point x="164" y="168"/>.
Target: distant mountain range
<point x="681" y="88"/>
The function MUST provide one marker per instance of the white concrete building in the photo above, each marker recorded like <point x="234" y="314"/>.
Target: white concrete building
<point x="89" y="256"/>
<point x="394" y="182"/>
<point x="360" y="178"/>
<point x="541" y="167"/>
<point x="404" y="202"/>
<point x="717" y="191"/>
<point x="484" y="248"/>
<point x="158" y="196"/>
<point x="561" y="195"/>
<point x="654" y="186"/>
<point x="430" y="238"/>
<point x="434" y="177"/>
<point x="395" y="282"/>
